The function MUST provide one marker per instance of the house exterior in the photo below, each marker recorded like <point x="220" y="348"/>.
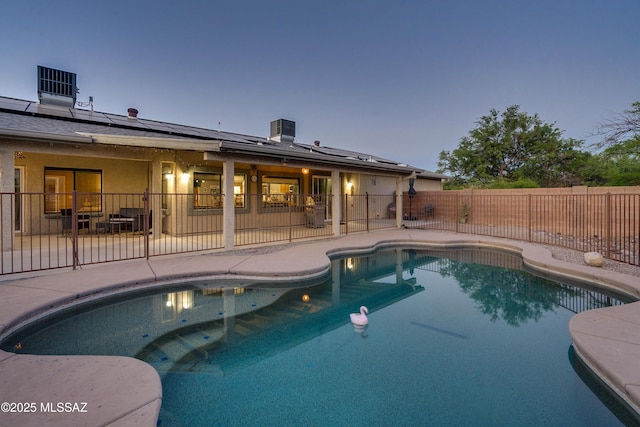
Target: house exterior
<point x="73" y="157"/>
<point x="428" y="181"/>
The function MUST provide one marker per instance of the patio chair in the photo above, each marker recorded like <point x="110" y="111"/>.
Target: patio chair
<point x="138" y="221"/>
<point x="391" y="209"/>
<point x="66" y="217"/>
<point x="429" y="210"/>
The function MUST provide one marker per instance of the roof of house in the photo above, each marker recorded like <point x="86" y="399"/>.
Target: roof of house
<point x="425" y="174"/>
<point x="29" y="120"/>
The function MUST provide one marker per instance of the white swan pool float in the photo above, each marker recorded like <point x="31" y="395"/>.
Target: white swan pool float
<point x="360" y="319"/>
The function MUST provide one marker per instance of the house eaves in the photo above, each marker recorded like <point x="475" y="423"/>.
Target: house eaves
<point x="29" y="135"/>
<point x="275" y="151"/>
<point x="312" y="157"/>
<point x="431" y="175"/>
<point x="154" y="142"/>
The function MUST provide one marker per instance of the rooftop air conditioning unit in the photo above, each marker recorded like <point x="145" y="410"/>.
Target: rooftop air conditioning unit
<point x="56" y="87"/>
<point x="283" y="130"/>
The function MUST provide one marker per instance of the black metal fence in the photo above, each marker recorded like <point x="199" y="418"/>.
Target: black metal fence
<point x="44" y="231"/>
<point x="605" y="223"/>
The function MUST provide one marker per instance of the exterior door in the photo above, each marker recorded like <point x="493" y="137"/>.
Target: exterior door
<point x="322" y="192"/>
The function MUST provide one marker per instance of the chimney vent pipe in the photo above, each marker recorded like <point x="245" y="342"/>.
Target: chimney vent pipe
<point x="133" y="113"/>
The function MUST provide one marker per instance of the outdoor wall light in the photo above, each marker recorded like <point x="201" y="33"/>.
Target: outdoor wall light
<point x="349" y="188"/>
<point x="305" y="171"/>
<point x="185" y="177"/>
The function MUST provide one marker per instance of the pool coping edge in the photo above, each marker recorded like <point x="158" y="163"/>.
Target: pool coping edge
<point x="161" y="272"/>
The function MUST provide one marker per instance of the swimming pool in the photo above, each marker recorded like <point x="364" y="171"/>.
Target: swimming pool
<point x="455" y="337"/>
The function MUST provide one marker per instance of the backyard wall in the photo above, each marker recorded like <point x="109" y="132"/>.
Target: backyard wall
<point x="604" y="216"/>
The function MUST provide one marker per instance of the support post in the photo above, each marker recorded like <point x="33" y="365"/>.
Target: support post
<point x="145" y="222"/>
<point x="337" y="202"/>
<point x="7" y="188"/>
<point x="74" y="228"/>
<point x="399" y="212"/>
<point x="228" y="210"/>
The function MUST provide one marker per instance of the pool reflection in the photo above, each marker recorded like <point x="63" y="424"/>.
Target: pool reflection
<point x="227" y="330"/>
<point x="219" y="326"/>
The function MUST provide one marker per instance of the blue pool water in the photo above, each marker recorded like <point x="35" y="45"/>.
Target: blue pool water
<point x="450" y="341"/>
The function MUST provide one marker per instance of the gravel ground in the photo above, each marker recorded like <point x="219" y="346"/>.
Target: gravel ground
<point x="577" y="257"/>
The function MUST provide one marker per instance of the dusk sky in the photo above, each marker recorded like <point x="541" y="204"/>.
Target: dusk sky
<point x="402" y="80"/>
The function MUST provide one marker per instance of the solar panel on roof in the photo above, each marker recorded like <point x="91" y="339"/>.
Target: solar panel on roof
<point x="14" y="104"/>
<point x="91" y="116"/>
<point x="233" y="137"/>
<point x="50" y="110"/>
<point x="125" y="121"/>
<point x="176" y="128"/>
<point x="156" y="126"/>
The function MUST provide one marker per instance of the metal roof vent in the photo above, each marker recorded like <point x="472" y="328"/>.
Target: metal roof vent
<point x="283" y="130"/>
<point x="56" y="87"/>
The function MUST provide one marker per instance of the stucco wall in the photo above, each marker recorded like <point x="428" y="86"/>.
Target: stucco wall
<point x="426" y="185"/>
<point x="118" y="176"/>
<point x="121" y="176"/>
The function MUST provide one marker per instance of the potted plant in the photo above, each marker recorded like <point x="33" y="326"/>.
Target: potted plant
<point x="464" y="212"/>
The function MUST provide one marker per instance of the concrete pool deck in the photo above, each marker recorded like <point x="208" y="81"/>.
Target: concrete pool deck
<point x="119" y="391"/>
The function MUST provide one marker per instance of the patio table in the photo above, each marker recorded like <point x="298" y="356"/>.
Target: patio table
<point x="115" y="225"/>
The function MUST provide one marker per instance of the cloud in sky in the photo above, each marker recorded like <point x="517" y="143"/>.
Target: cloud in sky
<point x="402" y="80"/>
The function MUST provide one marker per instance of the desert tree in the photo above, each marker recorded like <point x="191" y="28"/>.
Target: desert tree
<point x="619" y="127"/>
<point x="512" y="146"/>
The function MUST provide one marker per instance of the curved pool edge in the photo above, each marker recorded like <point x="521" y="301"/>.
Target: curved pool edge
<point x="607" y="341"/>
<point x="23" y="299"/>
<point x="78" y="390"/>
